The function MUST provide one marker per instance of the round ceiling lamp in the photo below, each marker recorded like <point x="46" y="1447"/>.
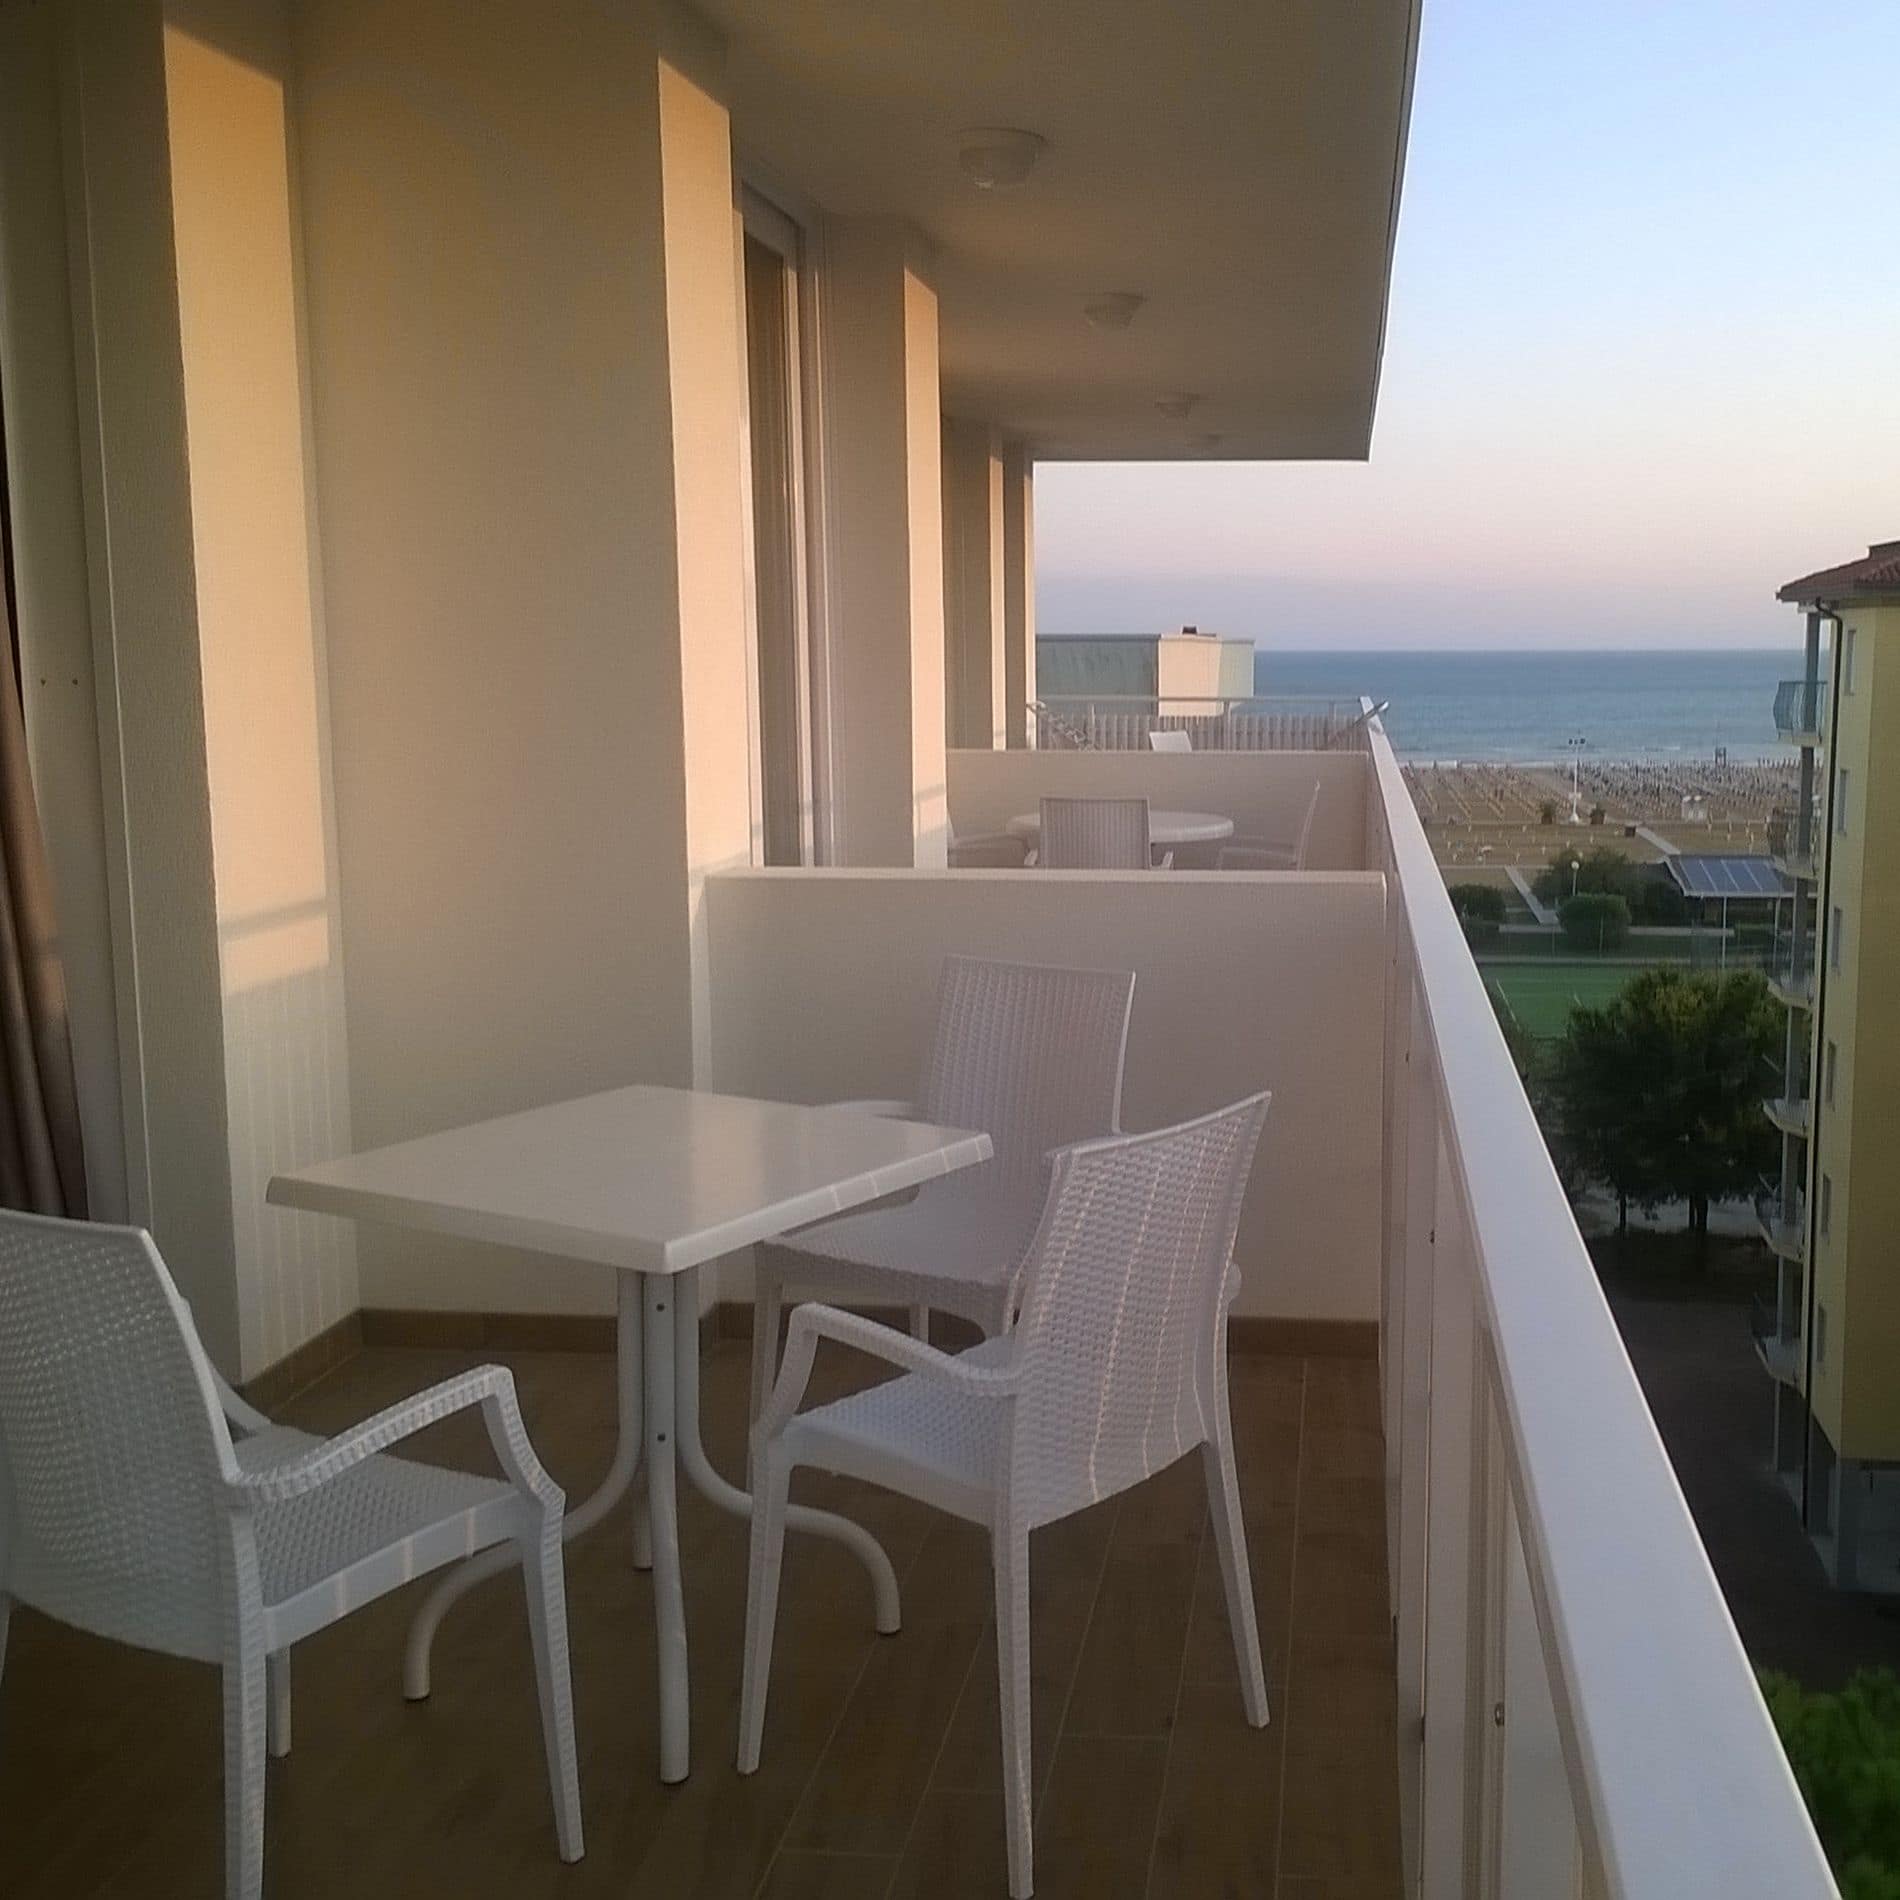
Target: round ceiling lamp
<point x="998" y="157"/>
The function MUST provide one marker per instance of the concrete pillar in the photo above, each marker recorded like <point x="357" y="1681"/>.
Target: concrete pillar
<point x="884" y="546"/>
<point x="975" y="686"/>
<point x="1019" y="591"/>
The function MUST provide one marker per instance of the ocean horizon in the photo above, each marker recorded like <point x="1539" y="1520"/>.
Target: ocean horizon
<point x="1479" y="707"/>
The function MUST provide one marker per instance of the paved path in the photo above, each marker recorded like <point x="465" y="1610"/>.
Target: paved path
<point x="1538" y="908"/>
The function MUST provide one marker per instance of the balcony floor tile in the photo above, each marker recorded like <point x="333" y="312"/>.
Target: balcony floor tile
<point x="881" y="1768"/>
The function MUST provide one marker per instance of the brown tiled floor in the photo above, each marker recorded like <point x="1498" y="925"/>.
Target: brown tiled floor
<point x="881" y="1774"/>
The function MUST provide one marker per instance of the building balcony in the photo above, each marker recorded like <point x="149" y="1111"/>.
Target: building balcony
<point x="1792" y="980"/>
<point x="1490" y="1626"/>
<point x="1785" y="1231"/>
<point x="1801" y="711"/>
<point x="1128" y="722"/>
<point x="1792" y="1114"/>
<point x="1777" y="1340"/>
<point x="1791" y="844"/>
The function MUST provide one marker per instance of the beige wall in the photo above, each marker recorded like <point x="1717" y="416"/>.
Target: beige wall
<point x="705" y="360"/>
<point x="884" y="553"/>
<point x="130" y="425"/>
<point x="1856" y="1391"/>
<point x="822" y="986"/>
<point x="260" y="658"/>
<point x="1019" y="592"/>
<point x="508" y="580"/>
<point x="1265" y="793"/>
<point x="974" y="625"/>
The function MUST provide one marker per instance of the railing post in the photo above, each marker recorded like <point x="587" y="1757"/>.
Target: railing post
<point x="1412" y="1323"/>
<point x="1449" y="1805"/>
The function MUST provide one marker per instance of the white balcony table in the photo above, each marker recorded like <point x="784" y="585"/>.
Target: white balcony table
<point x="653" y="1182"/>
<point x="1165" y="828"/>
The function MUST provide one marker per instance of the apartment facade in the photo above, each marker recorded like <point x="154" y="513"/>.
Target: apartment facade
<point x="525" y="553"/>
<point x="1838" y="1315"/>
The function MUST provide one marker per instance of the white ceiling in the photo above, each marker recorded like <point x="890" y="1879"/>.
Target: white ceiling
<point x="1235" y="161"/>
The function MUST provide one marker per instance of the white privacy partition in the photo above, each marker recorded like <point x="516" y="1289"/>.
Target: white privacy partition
<point x="1576" y="1714"/>
<point x="822" y="985"/>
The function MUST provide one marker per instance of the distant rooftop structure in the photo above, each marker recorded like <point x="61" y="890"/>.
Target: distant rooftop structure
<point x="1721" y="875"/>
<point x="1874" y="577"/>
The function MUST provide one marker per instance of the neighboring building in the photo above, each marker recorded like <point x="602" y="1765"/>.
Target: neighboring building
<point x="1833" y="1219"/>
<point x="1183" y="673"/>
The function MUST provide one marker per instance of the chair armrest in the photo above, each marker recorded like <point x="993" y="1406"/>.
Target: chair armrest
<point x="811" y="1322"/>
<point x="1166" y="861"/>
<point x="884" y="1107"/>
<point x="490" y="1387"/>
<point x="238" y="1410"/>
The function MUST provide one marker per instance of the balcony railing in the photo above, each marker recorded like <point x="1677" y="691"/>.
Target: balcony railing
<point x="1784" y="1229"/>
<point x="1112" y="722"/>
<point x="1801" y="710"/>
<point x="1777" y="1341"/>
<point x="1564" y="1652"/>
<point x="1790" y="845"/>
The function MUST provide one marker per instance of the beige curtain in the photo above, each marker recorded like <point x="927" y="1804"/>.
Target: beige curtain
<point x="42" y="1164"/>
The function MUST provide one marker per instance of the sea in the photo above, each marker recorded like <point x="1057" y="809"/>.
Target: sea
<point x="1524" y="708"/>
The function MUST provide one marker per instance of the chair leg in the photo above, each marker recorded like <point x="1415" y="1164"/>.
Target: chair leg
<point x="772" y="1488"/>
<point x="920" y="1323"/>
<point x="543" y="1573"/>
<point x="1230" y="1539"/>
<point x="768" y="1303"/>
<point x="277" y="1699"/>
<point x="1009" y="1554"/>
<point x="244" y="1768"/>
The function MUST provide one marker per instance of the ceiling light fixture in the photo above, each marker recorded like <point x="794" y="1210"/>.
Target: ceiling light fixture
<point x="1180" y="406"/>
<point x="998" y="157"/>
<point x="1114" y="309"/>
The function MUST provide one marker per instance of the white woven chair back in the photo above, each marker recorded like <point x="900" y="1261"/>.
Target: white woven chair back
<point x="1303" y="843"/>
<point x="1030" y="1054"/>
<point x="1095" y="834"/>
<point x="113" y="1450"/>
<point x="1121" y="1293"/>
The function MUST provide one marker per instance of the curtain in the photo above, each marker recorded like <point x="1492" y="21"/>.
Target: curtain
<point x="42" y="1164"/>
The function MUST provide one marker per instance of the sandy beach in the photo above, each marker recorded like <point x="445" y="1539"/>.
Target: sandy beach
<point x="1479" y="815"/>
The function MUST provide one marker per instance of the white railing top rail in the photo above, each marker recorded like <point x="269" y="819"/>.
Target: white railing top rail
<point x="1684" y="1789"/>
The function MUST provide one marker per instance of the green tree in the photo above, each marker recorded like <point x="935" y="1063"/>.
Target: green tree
<point x="1602" y="868"/>
<point x="1595" y="920"/>
<point x="1845" y="1752"/>
<point x="1660" y="1089"/>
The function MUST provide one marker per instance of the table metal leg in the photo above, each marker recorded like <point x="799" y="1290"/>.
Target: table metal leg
<point x="669" y="1603"/>
<point x="709" y="1484"/>
<point x="630" y="1430"/>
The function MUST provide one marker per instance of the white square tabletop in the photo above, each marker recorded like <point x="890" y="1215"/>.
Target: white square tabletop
<point x="650" y="1180"/>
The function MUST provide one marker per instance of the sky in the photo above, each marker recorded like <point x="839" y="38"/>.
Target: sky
<point x="1642" y="363"/>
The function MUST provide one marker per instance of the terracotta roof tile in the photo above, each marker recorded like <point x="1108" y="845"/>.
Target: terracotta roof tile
<point x="1877" y="573"/>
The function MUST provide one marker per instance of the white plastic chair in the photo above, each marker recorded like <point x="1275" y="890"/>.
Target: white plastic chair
<point x="1096" y="834"/>
<point x="1116" y="1368"/>
<point x="987" y="851"/>
<point x="130" y="1510"/>
<point x="1262" y="854"/>
<point x="1169" y="739"/>
<point x="1031" y="1055"/>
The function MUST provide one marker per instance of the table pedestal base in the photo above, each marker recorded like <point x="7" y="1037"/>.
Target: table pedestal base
<point x="657" y="1393"/>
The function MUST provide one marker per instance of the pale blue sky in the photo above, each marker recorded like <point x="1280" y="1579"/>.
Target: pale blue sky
<point x="1643" y="362"/>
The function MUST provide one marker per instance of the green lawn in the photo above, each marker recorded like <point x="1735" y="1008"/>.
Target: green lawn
<point x="1542" y="995"/>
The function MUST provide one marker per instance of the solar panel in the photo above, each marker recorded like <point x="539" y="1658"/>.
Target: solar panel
<point x="1728" y="876"/>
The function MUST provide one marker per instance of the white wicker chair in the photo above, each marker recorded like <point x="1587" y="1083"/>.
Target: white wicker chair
<point x="1096" y="834"/>
<point x="1116" y="1368"/>
<point x="1031" y="1055"/>
<point x="1264" y="854"/>
<point x="129" y="1509"/>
